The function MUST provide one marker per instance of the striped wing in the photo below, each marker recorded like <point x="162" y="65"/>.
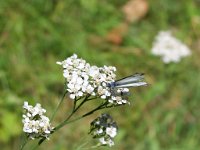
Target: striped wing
<point x="127" y="85"/>
<point x="130" y="79"/>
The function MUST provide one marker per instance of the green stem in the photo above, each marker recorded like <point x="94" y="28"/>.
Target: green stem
<point x="97" y="108"/>
<point x="89" y="99"/>
<point x="84" y="100"/>
<point x="102" y="106"/>
<point x="55" y="111"/>
<point x="73" y="111"/>
<point x="66" y="121"/>
<point x="86" y="114"/>
<point x="23" y="145"/>
<point x="42" y="140"/>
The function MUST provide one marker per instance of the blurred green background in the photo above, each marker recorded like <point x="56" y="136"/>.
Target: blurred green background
<point x="34" y="34"/>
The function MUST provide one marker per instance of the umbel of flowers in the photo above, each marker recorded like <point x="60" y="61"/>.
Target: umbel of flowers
<point x="104" y="129"/>
<point x="83" y="83"/>
<point x="36" y="124"/>
<point x="84" y="79"/>
<point x="169" y="48"/>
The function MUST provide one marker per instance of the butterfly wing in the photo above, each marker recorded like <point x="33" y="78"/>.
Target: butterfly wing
<point x="130" y="79"/>
<point x="127" y="85"/>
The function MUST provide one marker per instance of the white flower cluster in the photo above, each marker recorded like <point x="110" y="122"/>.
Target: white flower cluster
<point x="169" y="48"/>
<point x="36" y="125"/>
<point x="104" y="128"/>
<point x="83" y="79"/>
<point x="119" y="96"/>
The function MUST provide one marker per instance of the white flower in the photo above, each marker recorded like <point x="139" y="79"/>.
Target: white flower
<point x="89" y="89"/>
<point x="99" y="131"/>
<point x="118" y="100"/>
<point x="26" y="106"/>
<point x="108" y="141"/>
<point x="94" y="71"/>
<point x="102" y="141"/>
<point x="169" y="48"/>
<point x="111" y="131"/>
<point x="72" y="96"/>
<point x="36" y="127"/>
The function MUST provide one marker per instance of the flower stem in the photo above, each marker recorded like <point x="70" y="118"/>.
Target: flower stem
<point x="84" y="100"/>
<point x="78" y="118"/>
<point x="23" y="145"/>
<point x="97" y="108"/>
<point x="55" y="111"/>
<point x="67" y="121"/>
<point x="73" y="111"/>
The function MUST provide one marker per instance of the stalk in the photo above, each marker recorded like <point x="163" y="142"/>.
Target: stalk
<point x="59" y="104"/>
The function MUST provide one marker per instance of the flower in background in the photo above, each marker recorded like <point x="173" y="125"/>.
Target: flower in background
<point x="83" y="79"/>
<point x="36" y="125"/>
<point x="169" y="48"/>
<point x="104" y="129"/>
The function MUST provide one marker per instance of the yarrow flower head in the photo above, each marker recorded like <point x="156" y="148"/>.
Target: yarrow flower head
<point x="83" y="79"/>
<point x="169" y="48"/>
<point x="104" y="129"/>
<point x="36" y="124"/>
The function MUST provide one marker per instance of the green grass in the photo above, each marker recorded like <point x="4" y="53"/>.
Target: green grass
<point x="34" y="34"/>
